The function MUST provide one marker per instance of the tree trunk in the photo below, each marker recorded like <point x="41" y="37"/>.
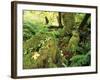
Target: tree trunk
<point x="68" y="21"/>
<point x="59" y="19"/>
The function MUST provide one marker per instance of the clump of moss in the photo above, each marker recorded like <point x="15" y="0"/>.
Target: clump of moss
<point x="45" y="44"/>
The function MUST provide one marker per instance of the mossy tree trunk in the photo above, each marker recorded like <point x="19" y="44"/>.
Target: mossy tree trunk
<point x="68" y="21"/>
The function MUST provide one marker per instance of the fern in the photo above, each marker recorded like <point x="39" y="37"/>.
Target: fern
<point x="81" y="60"/>
<point x="30" y="28"/>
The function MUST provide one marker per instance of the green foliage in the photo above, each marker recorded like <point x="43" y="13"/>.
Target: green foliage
<point x="28" y="62"/>
<point x="61" y="61"/>
<point x="80" y="60"/>
<point x="32" y="25"/>
<point x="84" y="47"/>
<point x="30" y="29"/>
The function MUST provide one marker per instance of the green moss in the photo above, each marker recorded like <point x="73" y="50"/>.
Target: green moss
<point x="47" y="45"/>
<point x="68" y="20"/>
<point x="73" y="42"/>
<point x="48" y="51"/>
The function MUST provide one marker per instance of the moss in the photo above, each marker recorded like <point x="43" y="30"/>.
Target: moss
<point x="28" y="62"/>
<point x="47" y="45"/>
<point x="48" y="51"/>
<point x="68" y="20"/>
<point x="73" y="42"/>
